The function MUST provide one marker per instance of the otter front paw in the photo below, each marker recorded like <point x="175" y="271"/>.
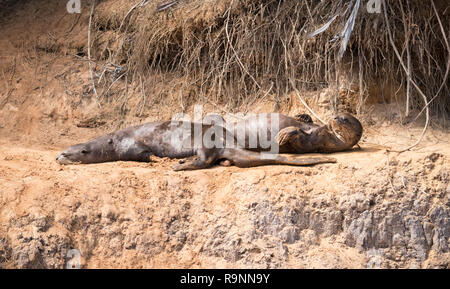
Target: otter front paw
<point x="285" y="135"/>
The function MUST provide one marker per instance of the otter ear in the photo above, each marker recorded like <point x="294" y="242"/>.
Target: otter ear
<point x="110" y="141"/>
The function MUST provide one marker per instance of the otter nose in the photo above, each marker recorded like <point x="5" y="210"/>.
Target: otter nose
<point x="61" y="155"/>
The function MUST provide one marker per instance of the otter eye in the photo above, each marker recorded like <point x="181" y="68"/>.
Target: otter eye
<point x="84" y="152"/>
<point x="110" y="141"/>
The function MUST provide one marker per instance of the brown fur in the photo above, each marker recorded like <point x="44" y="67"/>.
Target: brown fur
<point x="343" y="132"/>
<point x="164" y="139"/>
<point x="300" y="135"/>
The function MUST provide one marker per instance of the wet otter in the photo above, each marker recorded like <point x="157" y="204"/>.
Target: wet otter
<point x="342" y="133"/>
<point x="166" y="139"/>
<point x="300" y="135"/>
<point x="174" y="140"/>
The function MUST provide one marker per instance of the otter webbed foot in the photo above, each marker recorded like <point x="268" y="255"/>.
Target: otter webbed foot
<point x="196" y="162"/>
<point x="188" y="159"/>
<point x="191" y="165"/>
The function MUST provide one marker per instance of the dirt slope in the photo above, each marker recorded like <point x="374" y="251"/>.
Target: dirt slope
<point x="357" y="213"/>
<point x="371" y="209"/>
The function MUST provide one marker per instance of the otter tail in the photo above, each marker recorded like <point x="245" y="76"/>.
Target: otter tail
<point x="244" y="159"/>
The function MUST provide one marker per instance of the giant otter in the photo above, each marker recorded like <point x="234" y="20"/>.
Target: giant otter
<point x="166" y="139"/>
<point x="342" y="133"/>
<point x="300" y="134"/>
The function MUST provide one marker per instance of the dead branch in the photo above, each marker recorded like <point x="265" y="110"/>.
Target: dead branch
<point x="412" y="82"/>
<point x="89" y="55"/>
<point x="140" y="4"/>
<point x="304" y="102"/>
<point x="444" y="81"/>
<point x="166" y="6"/>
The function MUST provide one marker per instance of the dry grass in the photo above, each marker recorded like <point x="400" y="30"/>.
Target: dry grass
<point x="234" y="52"/>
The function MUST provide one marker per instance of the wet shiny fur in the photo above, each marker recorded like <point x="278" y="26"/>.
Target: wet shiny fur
<point x="166" y="139"/>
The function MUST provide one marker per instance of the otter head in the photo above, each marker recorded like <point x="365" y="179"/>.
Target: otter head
<point x="347" y="129"/>
<point x="98" y="150"/>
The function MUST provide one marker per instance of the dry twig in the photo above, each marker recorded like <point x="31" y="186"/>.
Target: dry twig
<point x="304" y="102"/>
<point x="412" y="82"/>
<point x="89" y="55"/>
